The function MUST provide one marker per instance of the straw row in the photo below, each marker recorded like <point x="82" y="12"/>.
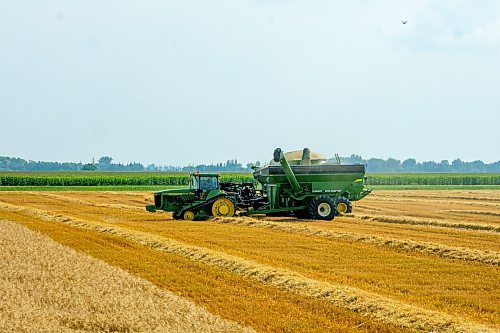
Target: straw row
<point x="474" y="212"/>
<point x="426" y="222"/>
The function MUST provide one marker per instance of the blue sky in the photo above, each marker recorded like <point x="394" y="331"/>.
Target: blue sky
<point x="180" y="82"/>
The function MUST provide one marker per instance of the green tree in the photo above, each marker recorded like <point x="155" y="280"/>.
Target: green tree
<point x="89" y="167"/>
<point x="105" y="160"/>
<point x="409" y="165"/>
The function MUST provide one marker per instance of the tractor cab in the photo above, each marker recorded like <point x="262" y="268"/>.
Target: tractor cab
<point x="202" y="183"/>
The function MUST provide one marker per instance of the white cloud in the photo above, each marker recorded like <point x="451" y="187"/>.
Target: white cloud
<point x="488" y="33"/>
<point x="454" y="26"/>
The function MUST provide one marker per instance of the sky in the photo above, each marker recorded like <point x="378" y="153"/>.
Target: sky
<point x="191" y="82"/>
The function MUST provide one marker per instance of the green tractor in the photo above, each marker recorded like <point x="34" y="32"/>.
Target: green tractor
<point x="299" y="184"/>
<point x="201" y="200"/>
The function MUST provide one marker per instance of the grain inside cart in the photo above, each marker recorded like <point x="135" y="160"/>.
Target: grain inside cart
<point x="298" y="183"/>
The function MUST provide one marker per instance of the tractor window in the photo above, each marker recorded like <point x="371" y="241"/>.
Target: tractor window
<point x="208" y="183"/>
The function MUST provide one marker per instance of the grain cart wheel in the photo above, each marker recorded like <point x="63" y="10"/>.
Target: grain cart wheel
<point x="322" y="207"/>
<point x="188" y="215"/>
<point x="223" y="207"/>
<point x="343" y="205"/>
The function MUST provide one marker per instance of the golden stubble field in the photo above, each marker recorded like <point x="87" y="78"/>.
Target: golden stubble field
<point x="403" y="261"/>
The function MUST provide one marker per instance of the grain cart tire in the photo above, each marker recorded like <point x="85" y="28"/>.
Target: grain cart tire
<point x="322" y="207"/>
<point x="343" y="205"/>
<point x="223" y="207"/>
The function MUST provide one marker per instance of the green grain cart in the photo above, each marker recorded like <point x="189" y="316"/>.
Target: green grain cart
<point x="296" y="184"/>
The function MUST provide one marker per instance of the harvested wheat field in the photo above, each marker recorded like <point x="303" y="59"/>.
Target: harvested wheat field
<point x="403" y="261"/>
<point x="49" y="287"/>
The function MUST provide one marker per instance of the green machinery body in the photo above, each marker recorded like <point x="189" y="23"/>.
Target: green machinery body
<point x="197" y="200"/>
<point x="303" y="187"/>
<point x="292" y="187"/>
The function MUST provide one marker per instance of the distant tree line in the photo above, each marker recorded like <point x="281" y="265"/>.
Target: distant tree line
<point x="105" y="163"/>
<point x="374" y="165"/>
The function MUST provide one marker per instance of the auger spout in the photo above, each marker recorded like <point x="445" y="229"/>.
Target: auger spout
<point x="279" y="157"/>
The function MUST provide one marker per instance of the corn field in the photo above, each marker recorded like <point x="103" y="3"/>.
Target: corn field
<point x="434" y="179"/>
<point x="179" y="179"/>
<point x="106" y="179"/>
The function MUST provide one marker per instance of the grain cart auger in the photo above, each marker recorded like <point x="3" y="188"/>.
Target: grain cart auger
<point x="307" y="187"/>
<point x="298" y="183"/>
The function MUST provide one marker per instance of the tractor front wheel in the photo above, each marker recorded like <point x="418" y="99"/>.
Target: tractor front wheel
<point x="188" y="215"/>
<point x="322" y="207"/>
<point x="223" y="207"/>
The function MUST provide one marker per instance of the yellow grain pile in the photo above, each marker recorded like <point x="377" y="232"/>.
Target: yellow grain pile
<point x="46" y="287"/>
<point x="378" y="307"/>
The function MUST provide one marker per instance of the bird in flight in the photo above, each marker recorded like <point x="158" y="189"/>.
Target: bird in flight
<point x="404" y="22"/>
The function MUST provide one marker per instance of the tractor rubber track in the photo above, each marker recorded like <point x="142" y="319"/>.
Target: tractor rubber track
<point x="198" y="207"/>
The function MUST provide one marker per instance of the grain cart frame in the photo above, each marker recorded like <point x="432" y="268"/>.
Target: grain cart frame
<point x="316" y="191"/>
<point x="306" y="189"/>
